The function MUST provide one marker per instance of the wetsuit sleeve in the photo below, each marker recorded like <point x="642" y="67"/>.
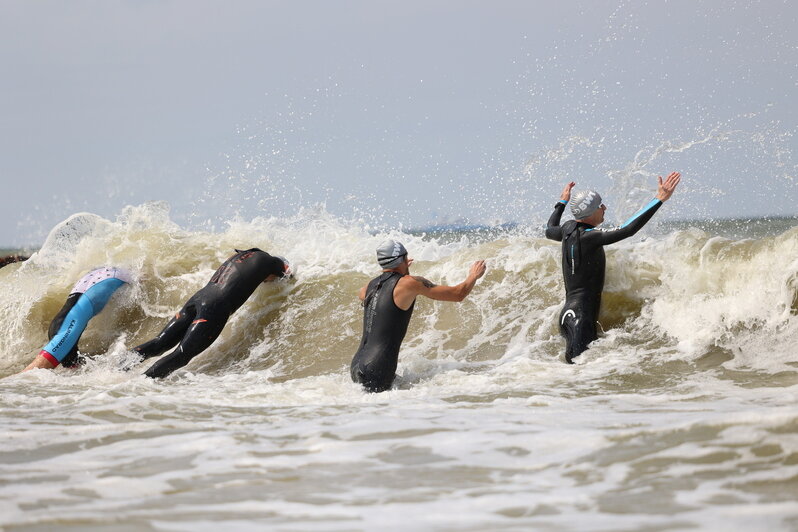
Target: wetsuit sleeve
<point x="553" y="229"/>
<point x="631" y="226"/>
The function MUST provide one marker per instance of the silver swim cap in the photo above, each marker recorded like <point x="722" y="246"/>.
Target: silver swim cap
<point x="584" y="203"/>
<point x="391" y="254"/>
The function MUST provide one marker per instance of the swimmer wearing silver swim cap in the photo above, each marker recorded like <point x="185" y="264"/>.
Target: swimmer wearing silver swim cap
<point x="388" y="302"/>
<point x="584" y="203"/>
<point x="583" y="259"/>
<point x="391" y="254"/>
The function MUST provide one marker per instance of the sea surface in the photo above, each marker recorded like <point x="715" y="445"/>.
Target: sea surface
<point x="682" y="416"/>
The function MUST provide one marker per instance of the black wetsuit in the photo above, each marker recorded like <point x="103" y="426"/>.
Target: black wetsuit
<point x="203" y="317"/>
<point x="583" y="265"/>
<point x="384" y="328"/>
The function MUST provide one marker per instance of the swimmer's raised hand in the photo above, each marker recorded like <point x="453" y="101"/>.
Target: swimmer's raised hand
<point x="566" y="192"/>
<point x="666" y="188"/>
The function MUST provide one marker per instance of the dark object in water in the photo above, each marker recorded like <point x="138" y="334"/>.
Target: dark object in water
<point x="8" y="259"/>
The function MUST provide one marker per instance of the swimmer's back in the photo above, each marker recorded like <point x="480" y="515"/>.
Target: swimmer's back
<point x="238" y="277"/>
<point x="97" y="276"/>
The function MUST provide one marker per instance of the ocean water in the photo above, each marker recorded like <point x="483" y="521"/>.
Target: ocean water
<point x="683" y="415"/>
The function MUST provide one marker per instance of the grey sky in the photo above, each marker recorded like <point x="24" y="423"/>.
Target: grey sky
<point x="403" y="112"/>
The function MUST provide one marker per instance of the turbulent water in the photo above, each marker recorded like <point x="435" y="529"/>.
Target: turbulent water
<point x="682" y="415"/>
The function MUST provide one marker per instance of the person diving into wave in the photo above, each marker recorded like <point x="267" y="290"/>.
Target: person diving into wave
<point x="201" y="320"/>
<point x="86" y="299"/>
<point x="583" y="260"/>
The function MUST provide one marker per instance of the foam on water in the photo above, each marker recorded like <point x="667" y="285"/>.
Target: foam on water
<point x="682" y="415"/>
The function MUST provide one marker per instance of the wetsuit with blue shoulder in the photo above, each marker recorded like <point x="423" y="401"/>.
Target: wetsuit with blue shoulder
<point x="201" y="320"/>
<point x="87" y="298"/>
<point x="583" y="259"/>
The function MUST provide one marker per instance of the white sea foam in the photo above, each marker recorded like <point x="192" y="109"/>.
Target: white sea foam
<point x="681" y="415"/>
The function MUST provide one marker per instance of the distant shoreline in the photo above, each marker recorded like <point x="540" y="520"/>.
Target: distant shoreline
<point x="26" y="251"/>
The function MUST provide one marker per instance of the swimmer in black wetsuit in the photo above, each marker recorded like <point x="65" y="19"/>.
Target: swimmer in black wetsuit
<point x="203" y="317"/>
<point x="583" y="261"/>
<point x="388" y="302"/>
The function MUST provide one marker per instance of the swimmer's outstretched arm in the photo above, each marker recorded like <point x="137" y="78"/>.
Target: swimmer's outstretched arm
<point x="665" y="190"/>
<point x="411" y="286"/>
<point x="553" y="231"/>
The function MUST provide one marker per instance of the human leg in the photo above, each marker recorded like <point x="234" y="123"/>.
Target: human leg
<point x="71" y="358"/>
<point x="66" y="338"/>
<point x="201" y="333"/>
<point x="374" y="369"/>
<point x="174" y="331"/>
<point x="578" y="329"/>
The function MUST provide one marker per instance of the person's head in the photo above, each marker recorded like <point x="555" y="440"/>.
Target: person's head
<point x="281" y="268"/>
<point x="11" y="259"/>
<point x="586" y="206"/>
<point x="392" y="255"/>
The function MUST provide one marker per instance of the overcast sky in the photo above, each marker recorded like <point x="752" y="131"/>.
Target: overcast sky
<point x="405" y="112"/>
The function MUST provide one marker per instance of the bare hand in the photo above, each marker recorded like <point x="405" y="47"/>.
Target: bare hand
<point x="566" y="192"/>
<point x="477" y="269"/>
<point x="665" y="190"/>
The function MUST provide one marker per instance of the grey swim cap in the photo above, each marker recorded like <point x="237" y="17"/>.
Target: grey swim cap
<point x="584" y="203"/>
<point x="390" y="254"/>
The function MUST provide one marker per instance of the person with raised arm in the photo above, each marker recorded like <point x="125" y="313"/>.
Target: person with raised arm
<point x="583" y="260"/>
